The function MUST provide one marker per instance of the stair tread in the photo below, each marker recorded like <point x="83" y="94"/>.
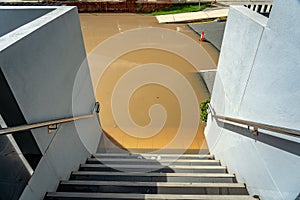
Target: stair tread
<point x="148" y="196"/>
<point x="153" y="184"/>
<point x="170" y="176"/>
<point x="152" y="166"/>
<point x="214" y="175"/>
<point x="153" y="160"/>
<point x="153" y="155"/>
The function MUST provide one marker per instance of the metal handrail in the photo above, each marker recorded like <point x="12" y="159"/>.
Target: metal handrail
<point x="52" y="125"/>
<point x="255" y="125"/>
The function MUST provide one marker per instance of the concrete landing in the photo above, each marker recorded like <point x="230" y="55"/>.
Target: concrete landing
<point x="213" y="32"/>
<point x="193" y="16"/>
<point x="245" y="2"/>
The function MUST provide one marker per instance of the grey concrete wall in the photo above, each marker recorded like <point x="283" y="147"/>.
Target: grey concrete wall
<point x="20" y="17"/>
<point x="208" y="76"/>
<point x="14" y="175"/>
<point x="44" y="64"/>
<point x="257" y="80"/>
<point x="15" y="169"/>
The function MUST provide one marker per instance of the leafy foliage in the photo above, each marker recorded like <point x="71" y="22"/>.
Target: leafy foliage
<point x="203" y="108"/>
<point x="181" y="8"/>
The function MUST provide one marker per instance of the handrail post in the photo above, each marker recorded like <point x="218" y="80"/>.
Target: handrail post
<point x="210" y="109"/>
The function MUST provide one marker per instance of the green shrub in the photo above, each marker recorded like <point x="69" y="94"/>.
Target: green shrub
<point x="203" y="115"/>
<point x="181" y="8"/>
<point x="139" y="7"/>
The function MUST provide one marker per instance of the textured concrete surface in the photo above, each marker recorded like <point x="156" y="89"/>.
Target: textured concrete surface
<point x="14" y="175"/>
<point x="245" y="2"/>
<point x="99" y="27"/>
<point x="193" y="16"/>
<point x="257" y="80"/>
<point x="21" y="17"/>
<point x="42" y="61"/>
<point x="208" y="77"/>
<point x="213" y="31"/>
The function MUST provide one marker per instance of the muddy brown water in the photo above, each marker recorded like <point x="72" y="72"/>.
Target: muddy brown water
<point x="98" y="27"/>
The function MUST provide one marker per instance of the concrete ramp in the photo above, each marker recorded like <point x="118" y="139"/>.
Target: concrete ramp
<point x="193" y="16"/>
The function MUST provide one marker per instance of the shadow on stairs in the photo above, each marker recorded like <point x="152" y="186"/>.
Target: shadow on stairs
<point x="151" y="176"/>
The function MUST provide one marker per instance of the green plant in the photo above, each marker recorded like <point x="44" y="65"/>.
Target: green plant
<point x="203" y="108"/>
<point x="139" y="7"/>
<point x="180" y="8"/>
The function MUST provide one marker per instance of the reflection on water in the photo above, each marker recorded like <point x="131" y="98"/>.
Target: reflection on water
<point x="98" y="27"/>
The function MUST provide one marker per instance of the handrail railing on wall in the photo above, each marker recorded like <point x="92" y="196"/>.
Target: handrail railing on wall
<point x="52" y="125"/>
<point x="256" y="126"/>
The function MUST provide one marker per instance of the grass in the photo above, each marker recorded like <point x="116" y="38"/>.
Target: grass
<point x="182" y="8"/>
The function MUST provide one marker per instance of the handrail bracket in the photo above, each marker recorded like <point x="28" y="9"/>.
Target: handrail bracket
<point x="52" y="128"/>
<point x="254" y="131"/>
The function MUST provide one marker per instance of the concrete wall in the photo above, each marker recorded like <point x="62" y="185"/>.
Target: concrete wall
<point x="44" y="64"/>
<point x="208" y="77"/>
<point x="15" y="171"/>
<point x="21" y="17"/>
<point x="257" y="80"/>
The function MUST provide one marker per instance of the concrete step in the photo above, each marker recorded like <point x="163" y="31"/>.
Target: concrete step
<point x="154" y="156"/>
<point x="106" y="196"/>
<point x="153" y="177"/>
<point x="152" y="187"/>
<point x="143" y="161"/>
<point x="153" y="168"/>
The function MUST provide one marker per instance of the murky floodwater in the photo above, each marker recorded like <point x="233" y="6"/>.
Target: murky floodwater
<point x="97" y="28"/>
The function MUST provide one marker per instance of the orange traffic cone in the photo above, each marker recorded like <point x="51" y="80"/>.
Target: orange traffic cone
<point x="202" y="37"/>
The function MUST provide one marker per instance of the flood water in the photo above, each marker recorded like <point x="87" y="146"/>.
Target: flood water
<point x="99" y="27"/>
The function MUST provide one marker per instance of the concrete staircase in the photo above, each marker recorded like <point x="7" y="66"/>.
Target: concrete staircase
<point x="149" y="176"/>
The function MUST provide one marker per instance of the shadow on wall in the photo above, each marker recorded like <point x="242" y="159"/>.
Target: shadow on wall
<point x="13" y="173"/>
<point x="277" y="142"/>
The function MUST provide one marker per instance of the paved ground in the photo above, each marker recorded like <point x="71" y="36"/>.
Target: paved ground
<point x="244" y="2"/>
<point x="96" y="28"/>
<point x="218" y="11"/>
<point x="193" y="16"/>
<point x="213" y="32"/>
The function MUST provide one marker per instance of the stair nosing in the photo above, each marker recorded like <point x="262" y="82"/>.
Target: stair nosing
<point x="154" y="155"/>
<point x="149" y="196"/>
<point x="153" y="166"/>
<point x="152" y="184"/>
<point x="213" y="175"/>
<point x="154" y="160"/>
